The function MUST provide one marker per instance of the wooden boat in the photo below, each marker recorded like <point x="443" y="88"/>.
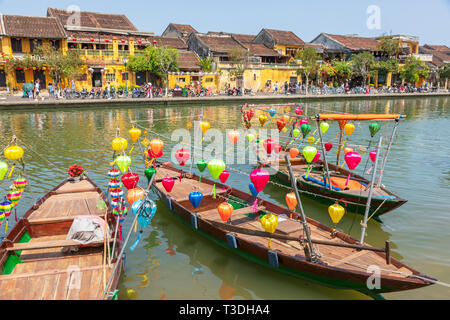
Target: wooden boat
<point x="343" y="265"/>
<point x="313" y="186"/>
<point x="33" y="265"/>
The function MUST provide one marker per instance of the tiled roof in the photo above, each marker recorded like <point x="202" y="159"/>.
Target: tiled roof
<point x="187" y="61"/>
<point x="32" y="27"/>
<point x="439" y="57"/>
<point x="244" y="38"/>
<point x="355" y="42"/>
<point x="184" y="28"/>
<point x="440" y="48"/>
<point x="170" y="42"/>
<point x="94" y="20"/>
<point x="219" y="43"/>
<point x="260" y="50"/>
<point x="285" y="37"/>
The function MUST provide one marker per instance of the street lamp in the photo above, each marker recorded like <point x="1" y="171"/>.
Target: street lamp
<point x="125" y="61"/>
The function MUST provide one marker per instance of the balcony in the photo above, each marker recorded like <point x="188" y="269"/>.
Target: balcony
<point x="424" y="57"/>
<point x="100" y="56"/>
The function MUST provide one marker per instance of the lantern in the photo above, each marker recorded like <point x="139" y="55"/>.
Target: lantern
<point x="306" y="128"/>
<point x="119" y="144"/>
<point x="272" y="112"/>
<point x="336" y="212"/>
<point x="269" y="145"/>
<point x="374" y="128"/>
<point x="134" y="195"/>
<point x="225" y="210"/>
<point x="204" y="126"/>
<point x="252" y="189"/>
<point x="324" y="126"/>
<point x="134" y="133"/>
<point x="311" y="140"/>
<point x="156" y="146"/>
<point x="224" y="176"/>
<point x="295" y="132"/>
<point x="13" y="153"/>
<point x="149" y="172"/>
<point x="250" y="137"/>
<point x="285" y="118"/>
<point x="195" y="198"/>
<point x="291" y="201"/>
<point x="349" y="128"/>
<point x="20" y="184"/>
<point x="116" y="193"/>
<point x="113" y="174"/>
<point x="130" y="180"/>
<point x="216" y="166"/>
<point x="352" y="159"/>
<point x="168" y="184"/>
<point x="3" y="169"/>
<point x="201" y="165"/>
<point x="298" y="111"/>
<point x="182" y="156"/>
<point x="309" y="153"/>
<point x="250" y="113"/>
<point x="263" y="119"/>
<point x="123" y="162"/>
<point x="316" y="157"/>
<point x="293" y="152"/>
<point x="347" y="150"/>
<point x="269" y="222"/>
<point x="280" y="125"/>
<point x="328" y="146"/>
<point x="233" y="136"/>
<point x="260" y="178"/>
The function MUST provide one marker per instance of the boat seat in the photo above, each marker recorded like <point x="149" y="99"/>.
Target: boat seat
<point x="50" y="244"/>
<point x="238" y="216"/>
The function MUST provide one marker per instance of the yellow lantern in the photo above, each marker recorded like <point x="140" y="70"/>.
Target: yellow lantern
<point x="269" y="222"/>
<point x="347" y="150"/>
<point x="119" y="144"/>
<point x="349" y="128"/>
<point x="189" y="125"/>
<point x="134" y="133"/>
<point x="311" y="140"/>
<point x="204" y="126"/>
<point x="336" y="212"/>
<point x="263" y="119"/>
<point x="13" y="153"/>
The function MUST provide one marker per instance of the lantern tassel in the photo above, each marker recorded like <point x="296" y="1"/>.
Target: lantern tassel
<point x="270" y="240"/>
<point x="135" y="226"/>
<point x="348" y="179"/>
<point x="120" y="231"/>
<point x="255" y="206"/>
<point x="181" y="174"/>
<point x="10" y="173"/>
<point x="15" y="214"/>
<point x="214" y="191"/>
<point x="6" y="226"/>
<point x="137" y="241"/>
<point x="307" y="172"/>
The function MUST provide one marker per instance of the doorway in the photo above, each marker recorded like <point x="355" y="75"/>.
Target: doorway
<point x="40" y="74"/>
<point x="141" y="78"/>
<point x="2" y="78"/>
<point x="97" y="78"/>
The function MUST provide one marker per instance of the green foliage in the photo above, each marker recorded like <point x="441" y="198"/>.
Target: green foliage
<point x="309" y="59"/>
<point x="389" y="46"/>
<point x="363" y="65"/>
<point x="206" y="64"/>
<point x="413" y="70"/>
<point x="157" y="60"/>
<point x="237" y="57"/>
<point x="343" y="68"/>
<point x="444" y="71"/>
<point x="390" y="65"/>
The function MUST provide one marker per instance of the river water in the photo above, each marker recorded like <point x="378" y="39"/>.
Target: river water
<point x="172" y="262"/>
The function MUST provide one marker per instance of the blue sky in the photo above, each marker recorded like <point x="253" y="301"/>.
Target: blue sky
<point x="430" y="20"/>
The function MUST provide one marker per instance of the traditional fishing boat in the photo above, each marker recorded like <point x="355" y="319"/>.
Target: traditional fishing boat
<point x="39" y="263"/>
<point x="335" y="259"/>
<point x="330" y="183"/>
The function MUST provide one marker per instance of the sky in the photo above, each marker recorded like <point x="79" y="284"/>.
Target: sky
<point x="427" y="19"/>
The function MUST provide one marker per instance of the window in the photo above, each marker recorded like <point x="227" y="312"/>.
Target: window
<point x="72" y="45"/>
<point x="110" y="77"/>
<point x="223" y="59"/>
<point x="20" y="76"/>
<point x="209" y="80"/>
<point x="56" y="44"/>
<point x="181" y="80"/>
<point x="124" y="76"/>
<point x="88" y="46"/>
<point x="16" y="45"/>
<point x="35" y="43"/>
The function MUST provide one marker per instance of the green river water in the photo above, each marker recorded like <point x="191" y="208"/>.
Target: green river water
<point x="172" y="262"/>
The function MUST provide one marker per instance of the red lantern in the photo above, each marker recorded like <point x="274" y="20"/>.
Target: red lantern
<point x="225" y="210"/>
<point x="130" y="180"/>
<point x="280" y="124"/>
<point x="152" y="155"/>
<point x="182" y="155"/>
<point x="139" y="41"/>
<point x="250" y="113"/>
<point x="74" y="39"/>
<point x="168" y="184"/>
<point x="269" y="145"/>
<point x="123" y="41"/>
<point x="328" y="146"/>
<point x="259" y="177"/>
<point x="92" y="40"/>
<point x="155" y="42"/>
<point x="224" y="176"/>
<point x="277" y="148"/>
<point x="106" y="40"/>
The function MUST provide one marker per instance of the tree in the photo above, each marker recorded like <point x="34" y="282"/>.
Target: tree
<point x="444" y="73"/>
<point x="390" y="47"/>
<point x="60" y="65"/>
<point x="413" y="70"/>
<point x="238" y="58"/>
<point x="206" y="64"/>
<point x="343" y="69"/>
<point x="309" y="65"/>
<point x="157" y="60"/>
<point x="362" y="65"/>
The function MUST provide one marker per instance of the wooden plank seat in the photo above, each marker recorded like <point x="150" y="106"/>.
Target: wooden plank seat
<point x="49" y="244"/>
<point x="238" y="216"/>
<point x="82" y="186"/>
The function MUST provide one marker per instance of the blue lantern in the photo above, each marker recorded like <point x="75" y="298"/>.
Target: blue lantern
<point x="272" y="112"/>
<point x="195" y="198"/>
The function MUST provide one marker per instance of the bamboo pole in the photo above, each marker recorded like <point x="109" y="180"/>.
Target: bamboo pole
<point x="369" y="198"/>
<point x="299" y="203"/>
<point x="397" y="121"/>
<point x="338" y="158"/>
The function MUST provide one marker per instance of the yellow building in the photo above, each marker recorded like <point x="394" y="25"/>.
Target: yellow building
<point x="19" y="36"/>
<point x="284" y="42"/>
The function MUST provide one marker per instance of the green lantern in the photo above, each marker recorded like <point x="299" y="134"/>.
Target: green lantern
<point x="123" y="162"/>
<point x="216" y="166"/>
<point x="149" y="172"/>
<point x="374" y="128"/>
<point x="306" y="128"/>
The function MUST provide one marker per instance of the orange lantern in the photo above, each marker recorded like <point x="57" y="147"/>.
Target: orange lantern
<point x="285" y="118"/>
<point x="233" y="136"/>
<point x="156" y="145"/>
<point x="342" y="124"/>
<point x="134" y="195"/>
<point x="347" y="150"/>
<point x="291" y="201"/>
<point x="225" y="210"/>
<point x="293" y="152"/>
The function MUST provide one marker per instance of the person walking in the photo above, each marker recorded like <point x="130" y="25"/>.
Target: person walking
<point x="51" y="90"/>
<point x="285" y="87"/>
<point x="149" y="90"/>
<point x="108" y="90"/>
<point x="36" y="89"/>
<point x="73" y="85"/>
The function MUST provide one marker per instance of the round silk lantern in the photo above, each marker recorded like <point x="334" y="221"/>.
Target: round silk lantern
<point x="250" y="137"/>
<point x="260" y="178"/>
<point x="272" y="112"/>
<point x="182" y="156"/>
<point x="116" y="193"/>
<point x="347" y="150"/>
<point x="113" y="184"/>
<point x="215" y="167"/>
<point x="336" y="212"/>
<point x="374" y="128"/>
<point x="3" y="169"/>
<point x="349" y="128"/>
<point x="373" y="157"/>
<point x="309" y="153"/>
<point x="204" y="126"/>
<point x="130" y="180"/>
<point x="134" y="195"/>
<point x="156" y="146"/>
<point x="113" y="174"/>
<point x="324" y="126"/>
<point x="119" y="144"/>
<point x="269" y="222"/>
<point x="224" y="176"/>
<point x="306" y="128"/>
<point x="293" y="152"/>
<point x="280" y="125"/>
<point x="201" y="165"/>
<point x="263" y="119"/>
<point x="233" y="136"/>
<point x="153" y="155"/>
<point x="291" y="201"/>
<point x="225" y="210"/>
<point x="13" y="153"/>
<point x="123" y="162"/>
<point x="295" y="132"/>
<point x="352" y="159"/>
<point x="195" y="198"/>
<point x="328" y="146"/>
<point x="134" y="133"/>
<point x="168" y="183"/>
<point x="20" y="184"/>
<point x="299" y="111"/>
<point x="250" y="113"/>
<point x="311" y="140"/>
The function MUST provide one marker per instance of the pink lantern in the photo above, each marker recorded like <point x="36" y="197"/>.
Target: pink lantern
<point x="168" y="184"/>
<point x="303" y="121"/>
<point x="352" y="159"/>
<point x="224" y="176"/>
<point x="182" y="156"/>
<point x="373" y="155"/>
<point x="277" y="148"/>
<point x="269" y="145"/>
<point x="298" y="111"/>
<point x="317" y="157"/>
<point x="259" y="178"/>
<point x="250" y="113"/>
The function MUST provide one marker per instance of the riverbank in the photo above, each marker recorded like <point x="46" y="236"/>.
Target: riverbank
<point x="17" y="103"/>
